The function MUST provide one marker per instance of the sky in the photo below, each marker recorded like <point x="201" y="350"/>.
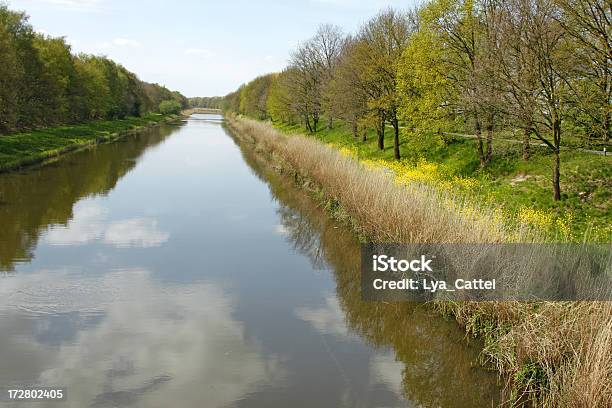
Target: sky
<point x="200" y="48"/>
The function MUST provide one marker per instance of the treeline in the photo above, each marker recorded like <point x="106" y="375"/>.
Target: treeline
<point x="489" y="67"/>
<point x="43" y="84"/>
<point x="210" y="102"/>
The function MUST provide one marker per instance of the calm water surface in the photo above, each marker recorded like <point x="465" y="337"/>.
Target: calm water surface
<point x="172" y="269"/>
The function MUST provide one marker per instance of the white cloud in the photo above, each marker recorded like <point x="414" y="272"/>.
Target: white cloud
<point x="200" y="51"/>
<point x="125" y="42"/>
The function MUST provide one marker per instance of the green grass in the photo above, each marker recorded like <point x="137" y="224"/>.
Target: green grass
<point x="26" y="148"/>
<point x="508" y="182"/>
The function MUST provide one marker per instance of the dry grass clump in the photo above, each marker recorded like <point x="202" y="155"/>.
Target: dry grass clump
<point x="553" y="354"/>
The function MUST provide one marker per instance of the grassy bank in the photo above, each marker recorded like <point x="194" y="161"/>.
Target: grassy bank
<point x="553" y="354"/>
<point x="517" y="188"/>
<point x="22" y="149"/>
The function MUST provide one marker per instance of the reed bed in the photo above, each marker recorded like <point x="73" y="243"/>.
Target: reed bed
<point x="551" y="354"/>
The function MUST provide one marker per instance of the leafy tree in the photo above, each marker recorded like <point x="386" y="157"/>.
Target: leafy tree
<point x="60" y="76"/>
<point x="211" y="102"/>
<point x="169" y="106"/>
<point x="423" y="82"/>
<point x="462" y="61"/>
<point x="94" y="90"/>
<point x="43" y="84"/>
<point x="232" y="101"/>
<point x="279" y="104"/>
<point x="254" y="97"/>
<point x="9" y="72"/>
<point x="380" y="44"/>
<point x="29" y="85"/>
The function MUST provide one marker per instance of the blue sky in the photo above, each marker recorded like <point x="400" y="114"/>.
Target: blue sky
<point x="200" y="48"/>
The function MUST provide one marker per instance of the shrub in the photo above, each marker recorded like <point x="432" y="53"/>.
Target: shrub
<point x="170" y="106"/>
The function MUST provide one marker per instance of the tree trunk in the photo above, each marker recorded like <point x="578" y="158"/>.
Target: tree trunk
<point x="315" y="122"/>
<point x="396" y="149"/>
<point x="330" y="123"/>
<point x="355" y="129"/>
<point x="556" y="159"/>
<point x="489" y="154"/>
<point x="307" y="120"/>
<point x="380" y="130"/>
<point x="526" y="147"/>
<point x="606" y="105"/>
<point x="606" y="125"/>
<point x="556" y="176"/>
<point x="481" y="155"/>
<point x="364" y="136"/>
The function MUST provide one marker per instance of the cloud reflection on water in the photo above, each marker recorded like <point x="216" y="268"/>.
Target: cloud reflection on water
<point x="327" y="318"/>
<point x="89" y="224"/>
<point x="151" y="346"/>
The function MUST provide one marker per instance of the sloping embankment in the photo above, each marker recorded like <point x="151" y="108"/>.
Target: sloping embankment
<point x="29" y="148"/>
<point x="553" y="354"/>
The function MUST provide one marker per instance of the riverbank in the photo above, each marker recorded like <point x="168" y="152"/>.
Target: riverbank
<point x="518" y="188"/>
<point x="28" y="148"/>
<point x="553" y="354"/>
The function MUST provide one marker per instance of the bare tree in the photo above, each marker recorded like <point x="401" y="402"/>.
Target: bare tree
<point x="539" y="71"/>
<point x="327" y="44"/>
<point x="468" y="33"/>
<point x="589" y="22"/>
<point x="517" y="73"/>
<point x="347" y="92"/>
<point x="305" y="77"/>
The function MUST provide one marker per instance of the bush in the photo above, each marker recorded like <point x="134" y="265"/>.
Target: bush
<point x="171" y="106"/>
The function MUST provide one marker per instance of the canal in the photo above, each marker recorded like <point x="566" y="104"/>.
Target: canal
<point x="173" y="268"/>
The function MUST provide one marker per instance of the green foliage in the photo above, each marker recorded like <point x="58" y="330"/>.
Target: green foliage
<point x="278" y="104"/>
<point x="420" y="143"/>
<point x="43" y="84"/>
<point x="210" y="102"/>
<point x="532" y="376"/>
<point x="254" y="97"/>
<point x="231" y="101"/>
<point x="168" y="107"/>
<point x="422" y="83"/>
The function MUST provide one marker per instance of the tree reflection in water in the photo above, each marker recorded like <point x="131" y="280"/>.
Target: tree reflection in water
<point x="36" y="198"/>
<point x="440" y="368"/>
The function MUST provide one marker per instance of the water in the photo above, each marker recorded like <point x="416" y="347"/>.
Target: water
<point x="173" y="269"/>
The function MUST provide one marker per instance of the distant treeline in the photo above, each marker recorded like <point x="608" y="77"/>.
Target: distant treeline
<point x="211" y="102"/>
<point x="43" y="84"/>
<point x="487" y="67"/>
